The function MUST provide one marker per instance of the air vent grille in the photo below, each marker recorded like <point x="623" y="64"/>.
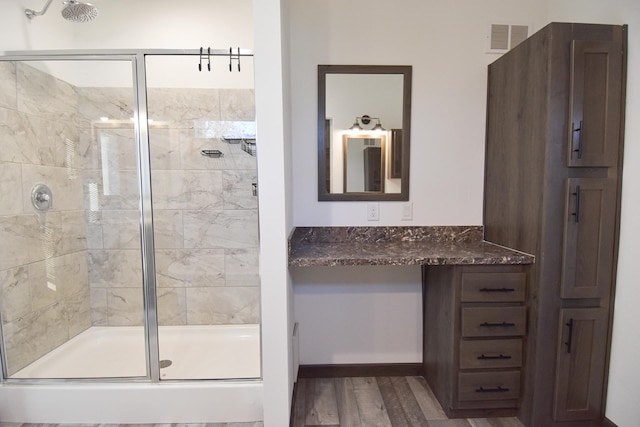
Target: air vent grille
<point x="503" y="37"/>
<point x="499" y="38"/>
<point x="519" y="33"/>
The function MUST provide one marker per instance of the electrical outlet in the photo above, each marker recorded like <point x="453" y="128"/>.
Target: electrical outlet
<point x="373" y="211"/>
<point x="407" y="211"/>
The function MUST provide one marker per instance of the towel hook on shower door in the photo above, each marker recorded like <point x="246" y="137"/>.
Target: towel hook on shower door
<point x="207" y="57"/>
<point x="233" y="57"/>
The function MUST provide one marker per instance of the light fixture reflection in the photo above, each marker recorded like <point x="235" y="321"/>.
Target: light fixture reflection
<point x="365" y="120"/>
<point x="378" y="126"/>
<point x="356" y="126"/>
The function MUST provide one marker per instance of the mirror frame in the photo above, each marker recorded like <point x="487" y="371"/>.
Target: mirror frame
<point x="323" y="191"/>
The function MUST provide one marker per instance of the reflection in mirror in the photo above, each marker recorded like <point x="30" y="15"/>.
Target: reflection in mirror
<point x="363" y="132"/>
<point x="364" y="163"/>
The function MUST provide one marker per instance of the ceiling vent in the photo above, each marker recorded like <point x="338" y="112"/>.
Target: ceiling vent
<point x="502" y="37"/>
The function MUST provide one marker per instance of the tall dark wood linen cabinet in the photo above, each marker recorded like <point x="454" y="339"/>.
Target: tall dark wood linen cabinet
<point x="554" y="144"/>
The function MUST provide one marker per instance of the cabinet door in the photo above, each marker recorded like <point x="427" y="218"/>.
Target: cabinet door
<point x="596" y="93"/>
<point x="580" y="364"/>
<point x="588" y="238"/>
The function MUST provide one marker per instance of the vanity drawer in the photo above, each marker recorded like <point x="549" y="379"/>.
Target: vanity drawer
<point x="493" y="321"/>
<point x="481" y="354"/>
<point x="488" y="385"/>
<point x="493" y="287"/>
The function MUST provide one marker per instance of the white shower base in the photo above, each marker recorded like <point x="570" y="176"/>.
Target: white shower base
<point x="196" y="352"/>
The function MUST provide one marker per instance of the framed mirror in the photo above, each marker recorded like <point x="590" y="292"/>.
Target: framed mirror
<point x="364" y="122"/>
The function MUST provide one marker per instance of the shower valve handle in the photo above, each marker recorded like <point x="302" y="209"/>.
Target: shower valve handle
<point x="41" y="197"/>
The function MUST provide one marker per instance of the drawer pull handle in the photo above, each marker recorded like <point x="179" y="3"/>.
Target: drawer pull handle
<point x="501" y="324"/>
<point x="497" y="290"/>
<point x="492" y="390"/>
<point x="500" y="357"/>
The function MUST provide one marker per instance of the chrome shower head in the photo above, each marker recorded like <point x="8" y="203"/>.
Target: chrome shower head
<point x="76" y="11"/>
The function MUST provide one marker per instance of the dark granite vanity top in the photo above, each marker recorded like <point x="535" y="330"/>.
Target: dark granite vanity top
<point x="455" y="245"/>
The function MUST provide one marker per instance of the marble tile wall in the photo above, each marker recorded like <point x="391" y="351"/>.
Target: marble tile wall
<point x="44" y="299"/>
<point x="205" y="215"/>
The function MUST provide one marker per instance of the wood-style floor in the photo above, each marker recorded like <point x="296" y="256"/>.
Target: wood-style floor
<point x="375" y="401"/>
<point x="258" y="424"/>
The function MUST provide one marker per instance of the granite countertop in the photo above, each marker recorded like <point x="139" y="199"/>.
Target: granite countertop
<point x="454" y="245"/>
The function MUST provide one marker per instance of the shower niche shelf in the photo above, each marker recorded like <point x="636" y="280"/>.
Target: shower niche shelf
<point x="212" y="153"/>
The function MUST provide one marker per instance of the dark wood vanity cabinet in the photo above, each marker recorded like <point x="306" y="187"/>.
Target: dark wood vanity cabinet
<point x="473" y="358"/>
<point x="552" y="189"/>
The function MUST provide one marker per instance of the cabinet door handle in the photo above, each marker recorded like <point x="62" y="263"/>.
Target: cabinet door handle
<point x="501" y="324"/>
<point x="576" y="212"/>
<point x="578" y="147"/>
<point x="500" y="357"/>
<point x="497" y="290"/>
<point x="498" y="389"/>
<point x="569" y="324"/>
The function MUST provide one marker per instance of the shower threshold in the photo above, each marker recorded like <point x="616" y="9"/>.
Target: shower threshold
<point x="195" y="352"/>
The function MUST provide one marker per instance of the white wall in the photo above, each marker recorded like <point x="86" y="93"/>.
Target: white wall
<point x="445" y="42"/>
<point x="20" y="33"/>
<point x="272" y="112"/>
<point x="375" y="318"/>
<point x="124" y="24"/>
<point x="624" y="372"/>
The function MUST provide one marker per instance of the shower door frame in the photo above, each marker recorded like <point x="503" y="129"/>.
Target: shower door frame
<point x="141" y="133"/>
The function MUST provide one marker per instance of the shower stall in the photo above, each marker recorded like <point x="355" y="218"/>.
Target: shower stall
<point x="129" y="236"/>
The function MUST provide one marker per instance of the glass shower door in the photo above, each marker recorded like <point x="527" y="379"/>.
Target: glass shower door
<point x="71" y="295"/>
<point x="203" y="172"/>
